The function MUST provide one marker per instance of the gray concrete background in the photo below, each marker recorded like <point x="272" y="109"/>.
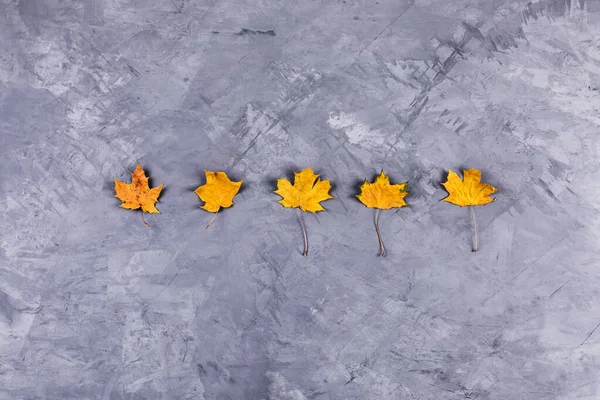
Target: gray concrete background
<point x="94" y="305"/>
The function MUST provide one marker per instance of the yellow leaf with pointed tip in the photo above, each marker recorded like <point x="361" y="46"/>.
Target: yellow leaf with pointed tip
<point x="381" y="194"/>
<point x="218" y="191"/>
<point x="470" y="191"/>
<point x="306" y="193"/>
<point x="137" y="193"/>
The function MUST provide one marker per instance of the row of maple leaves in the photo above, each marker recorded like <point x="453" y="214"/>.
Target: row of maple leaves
<point x="306" y="194"/>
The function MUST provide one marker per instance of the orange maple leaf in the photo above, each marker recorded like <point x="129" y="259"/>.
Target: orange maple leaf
<point x="138" y="194"/>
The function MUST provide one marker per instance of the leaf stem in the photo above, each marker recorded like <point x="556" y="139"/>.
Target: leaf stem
<point x="378" y="233"/>
<point x="303" y="232"/>
<point x="144" y="221"/>
<point x="213" y="218"/>
<point x="475" y="241"/>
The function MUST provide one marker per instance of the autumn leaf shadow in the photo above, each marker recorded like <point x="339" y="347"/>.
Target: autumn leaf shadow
<point x="355" y="185"/>
<point x="165" y="189"/>
<point x="288" y="173"/>
<point x="270" y="183"/>
<point x="109" y="189"/>
<point x="355" y="189"/>
<point x="459" y="170"/>
<point x="199" y="179"/>
<point x="236" y="178"/>
<point x="442" y="176"/>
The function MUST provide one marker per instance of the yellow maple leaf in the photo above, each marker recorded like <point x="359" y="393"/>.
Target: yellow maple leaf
<point x="217" y="192"/>
<point x="382" y="196"/>
<point x="306" y="194"/>
<point x="138" y="194"/>
<point x="468" y="192"/>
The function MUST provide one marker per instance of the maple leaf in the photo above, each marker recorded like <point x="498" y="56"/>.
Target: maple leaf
<point x="469" y="192"/>
<point x="382" y="196"/>
<point x="218" y="192"/>
<point x="138" y="194"/>
<point x="306" y="194"/>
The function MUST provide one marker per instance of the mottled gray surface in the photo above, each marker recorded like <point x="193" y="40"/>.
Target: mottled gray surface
<point x="94" y="305"/>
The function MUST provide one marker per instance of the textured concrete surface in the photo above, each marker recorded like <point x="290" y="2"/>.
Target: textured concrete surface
<point x="94" y="305"/>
